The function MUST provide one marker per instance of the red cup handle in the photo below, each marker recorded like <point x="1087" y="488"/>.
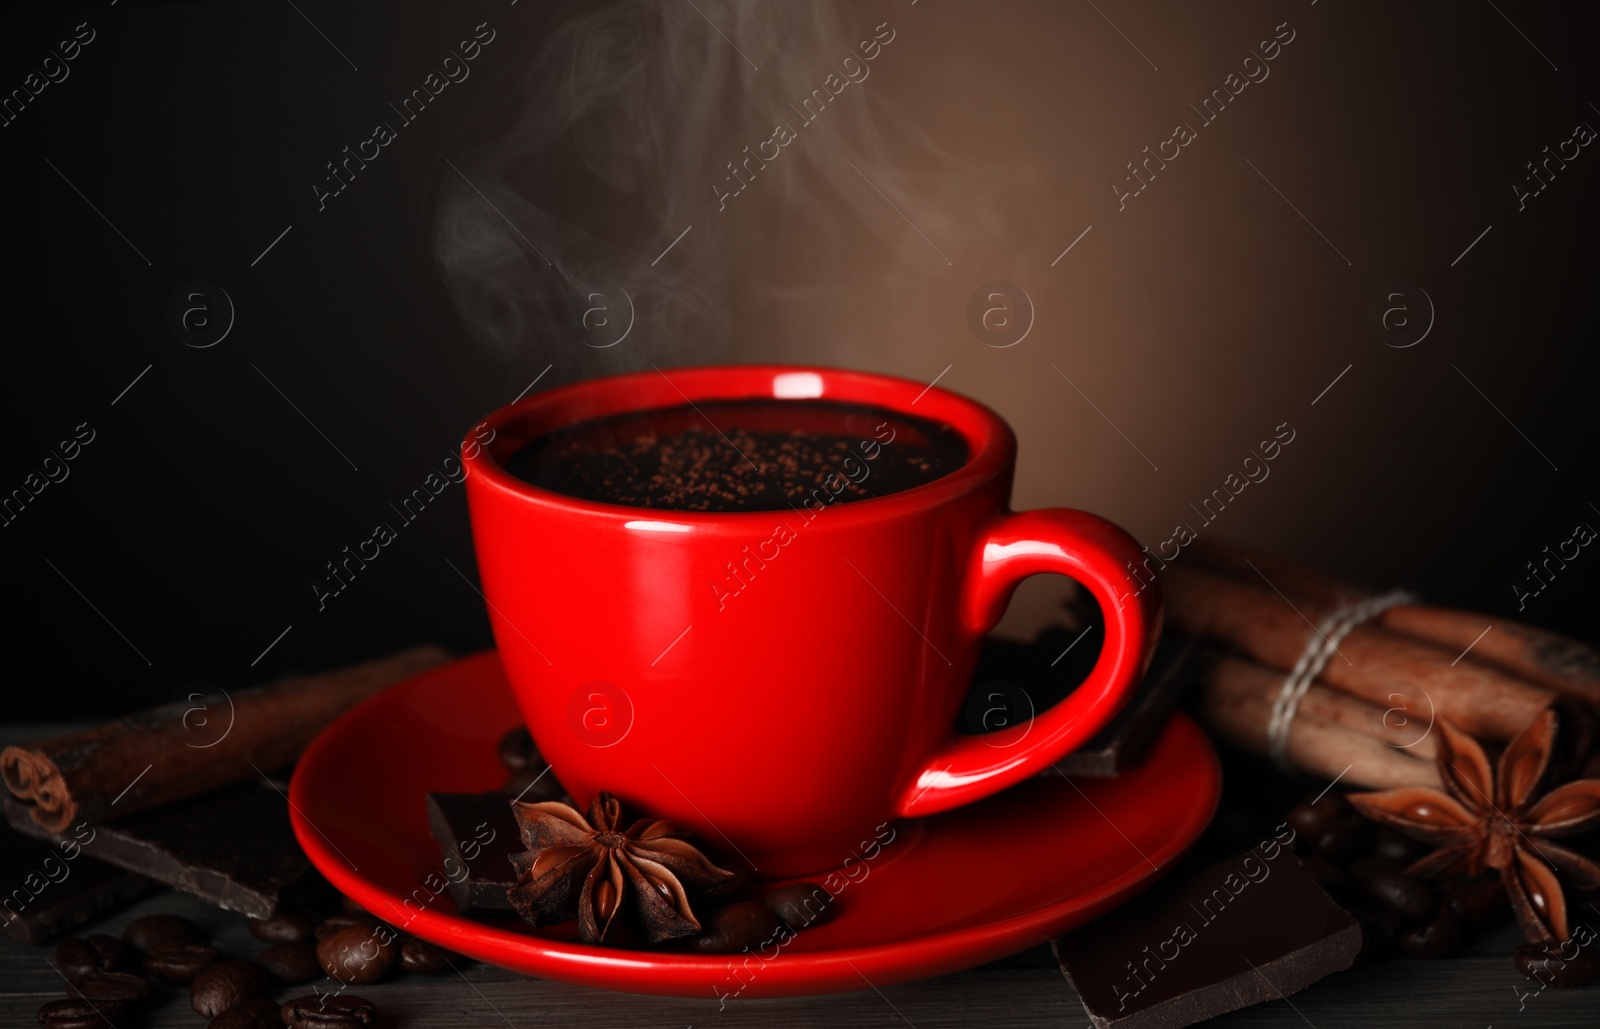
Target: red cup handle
<point x="1097" y="554"/>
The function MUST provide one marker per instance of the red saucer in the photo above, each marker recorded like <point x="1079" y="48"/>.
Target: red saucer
<point x="949" y="892"/>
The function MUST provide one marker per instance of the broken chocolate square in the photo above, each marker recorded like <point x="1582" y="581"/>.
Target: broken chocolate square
<point x="1013" y="681"/>
<point x="56" y="887"/>
<point x="477" y="832"/>
<point x="233" y="848"/>
<point x="1251" y="929"/>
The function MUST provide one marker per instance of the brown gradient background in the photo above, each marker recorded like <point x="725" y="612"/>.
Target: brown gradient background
<point x="1196" y="320"/>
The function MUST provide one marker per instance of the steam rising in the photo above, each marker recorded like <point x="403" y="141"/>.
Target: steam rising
<point x="627" y="126"/>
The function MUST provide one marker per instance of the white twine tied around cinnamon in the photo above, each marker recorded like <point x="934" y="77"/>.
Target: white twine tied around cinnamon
<point x="1319" y="650"/>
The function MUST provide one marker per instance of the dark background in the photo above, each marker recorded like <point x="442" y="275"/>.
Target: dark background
<point x="188" y="533"/>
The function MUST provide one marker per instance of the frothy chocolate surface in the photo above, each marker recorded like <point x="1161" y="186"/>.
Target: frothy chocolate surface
<point x="742" y="455"/>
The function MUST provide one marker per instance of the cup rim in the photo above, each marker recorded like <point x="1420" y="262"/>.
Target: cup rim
<point x="991" y="445"/>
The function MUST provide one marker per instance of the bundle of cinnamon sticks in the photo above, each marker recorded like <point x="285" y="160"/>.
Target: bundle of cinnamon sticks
<point x="1368" y="713"/>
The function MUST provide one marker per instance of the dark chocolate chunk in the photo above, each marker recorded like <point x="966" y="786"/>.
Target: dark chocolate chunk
<point x="52" y="888"/>
<point x="233" y="848"/>
<point x="1251" y="929"/>
<point x="478" y="835"/>
<point x="1028" y="667"/>
<point x="1124" y="740"/>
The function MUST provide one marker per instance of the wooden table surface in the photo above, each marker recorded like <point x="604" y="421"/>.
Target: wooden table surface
<point x="1475" y="989"/>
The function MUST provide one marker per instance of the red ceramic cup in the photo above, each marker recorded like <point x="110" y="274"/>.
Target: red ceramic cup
<point x="788" y="722"/>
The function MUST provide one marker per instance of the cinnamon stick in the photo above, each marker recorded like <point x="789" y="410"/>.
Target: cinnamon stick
<point x="1541" y="657"/>
<point x="164" y="754"/>
<point x="1393" y="726"/>
<point x="1327" y="738"/>
<point x="1374" y="664"/>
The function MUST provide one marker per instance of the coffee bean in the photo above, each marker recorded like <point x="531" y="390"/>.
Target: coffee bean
<point x="178" y="962"/>
<point x="329" y="1011"/>
<point x="115" y="955"/>
<point x="1348" y="839"/>
<point x="1326" y="874"/>
<point x="1361" y="868"/>
<point x="1566" y="965"/>
<point x="419" y="957"/>
<point x="120" y="987"/>
<point x="1388" y="842"/>
<point x="96" y="953"/>
<point x="291" y="963"/>
<point x="358" y="954"/>
<point x="518" y="752"/>
<point x="255" y="1013"/>
<point x="80" y="1014"/>
<point x="334" y="923"/>
<point x="802" y="905"/>
<point x="533" y="785"/>
<point x="284" y="927"/>
<point x="1405" y="895"/>
<point x="1385" y="924"/>
<point x="150" y="930"/>
<point x="1480" y="904"/>
<point x="737" y="926"/>
<point x="221" y="985"/>
<point x="1435" y="939"/>
<point x="350" y="907"/>
<point x="1312" y="820"/>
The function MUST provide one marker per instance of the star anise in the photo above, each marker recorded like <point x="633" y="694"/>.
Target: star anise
<point x="1497" y="820"/>
<point x="587" y="868"/>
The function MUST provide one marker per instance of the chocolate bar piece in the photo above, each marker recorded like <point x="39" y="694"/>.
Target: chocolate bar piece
<point x="477" y="831"/>
<point x="1123" y="741"/>
<point x="1251" y="929"/>
<point x="54" y="888"/>
<point x="233" y="848"/>
<point x="1047" y="670"/>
